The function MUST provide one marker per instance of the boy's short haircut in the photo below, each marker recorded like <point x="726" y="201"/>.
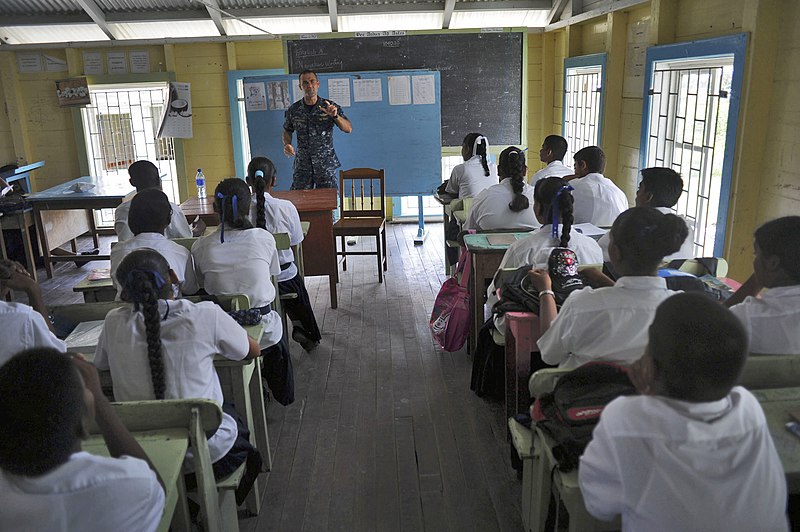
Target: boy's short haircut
<point x="150" y="212"/>
<point x="41" y="394"/>
<point x="594" y="158"/>
<point x="781" y="238"/>
<point x="144" y="175"/>
<point x="557" y="144"/>
<point x="665" y="184"/>
<point x="699" y="348"/>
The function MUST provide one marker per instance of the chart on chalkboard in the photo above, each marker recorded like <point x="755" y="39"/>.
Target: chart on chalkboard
<point x="481" y="74"/>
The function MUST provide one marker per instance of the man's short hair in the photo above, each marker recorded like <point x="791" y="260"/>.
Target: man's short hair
<point x="307" y="71"/>
<point x="556" y="144"/>
<point x="699" y="347"/>
<point x="594" y="158"/>
<point x="150" y="212"/>
<point x="665" y="184"/>
<point x="144" y="175"/>
<point x="781" y="238"/>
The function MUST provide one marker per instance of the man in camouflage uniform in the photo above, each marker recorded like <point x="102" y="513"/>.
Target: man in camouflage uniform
<point x="313" y="118"/>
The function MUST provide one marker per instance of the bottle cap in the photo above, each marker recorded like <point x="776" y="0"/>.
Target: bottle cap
<point x="199" y="169"/>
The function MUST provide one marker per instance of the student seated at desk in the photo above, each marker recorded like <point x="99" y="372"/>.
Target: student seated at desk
<point x="24" y="327"/>
<point x="47" y="483"/>
<point x="554" y="149"/>
<point x="693" y="452"/>
<point x="660" y="188"/>
<point x="163" y="348"/>
<point x="240" y="259"/>
<point x="610" y="323"/>
<point x="772" y="320"/>
<point x="476" y="173"/>
<point x="281" y="216"/>
<point x="597" y="199"/>
<point x="148" y="219"/>
<point x="507" y="204"/>
<point x="145" y="175"/>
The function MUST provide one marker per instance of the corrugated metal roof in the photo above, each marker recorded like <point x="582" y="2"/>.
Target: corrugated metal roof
<point x="112" y="6"/>
<point x="52" y="33"/>
<point x="38" y="7"/>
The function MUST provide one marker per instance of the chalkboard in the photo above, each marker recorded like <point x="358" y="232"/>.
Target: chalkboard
<point x="481" y="74"/>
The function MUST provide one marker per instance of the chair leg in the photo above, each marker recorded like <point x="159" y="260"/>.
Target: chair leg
<point x="378" y="254"/>
<point x="385" y="253"/>
<point x="344" y="254"/>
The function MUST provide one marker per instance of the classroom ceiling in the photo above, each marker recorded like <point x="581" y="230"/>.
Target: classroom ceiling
<point x="30" y="22"/>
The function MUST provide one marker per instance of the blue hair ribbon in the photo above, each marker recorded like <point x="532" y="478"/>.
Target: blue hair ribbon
<point x="554" y="208"/>
<point x="259" y="173"/>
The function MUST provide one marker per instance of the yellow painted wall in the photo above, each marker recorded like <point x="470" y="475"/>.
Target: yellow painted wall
<point x="700" y="19"/>
<point x="7" y="154"/>
<point x="593" y="37"/>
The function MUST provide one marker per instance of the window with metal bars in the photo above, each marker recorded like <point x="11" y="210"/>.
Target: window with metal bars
<point x="583" y="102"/>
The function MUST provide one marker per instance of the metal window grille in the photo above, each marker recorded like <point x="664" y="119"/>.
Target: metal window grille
<point x="686" y="132"/>
<point x="582" y="91"/>
<point x="120" y="127"/>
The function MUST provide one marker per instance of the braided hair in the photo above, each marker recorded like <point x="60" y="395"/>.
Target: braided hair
<point x="260" y="173"/>
<point x="511" y="164"/>
<point x="477" y="144"/>
<point x="555" y="199"/>
<point x="645" y="236"/>
<point x="144" y="276"/>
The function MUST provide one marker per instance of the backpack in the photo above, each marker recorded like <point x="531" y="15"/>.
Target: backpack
<point x="570" y="412"/>
<point x="450" y="318"/>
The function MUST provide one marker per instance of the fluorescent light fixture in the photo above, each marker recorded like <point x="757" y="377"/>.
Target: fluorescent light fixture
<point x="52" y="33"/>
<point x="279" y="25"/>
<point x="163" y="29"/>
<point x="391" y="21"/>
<point x="520" y="18"/>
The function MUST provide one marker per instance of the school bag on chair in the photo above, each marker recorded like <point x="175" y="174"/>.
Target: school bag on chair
<point x="570" y="412"/>
<point x="449" y="321"/>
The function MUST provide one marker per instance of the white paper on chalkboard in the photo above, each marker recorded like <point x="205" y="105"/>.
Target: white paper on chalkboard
<point x="29" y="63"/>
<point x="424" y="89"/>
<point x="399" y="90"/>
<point x="367" y="90"/>
<point x="117" y="62"/>
<point x="140" y="61"/>
<point x="93" y="63"/>
<point x="339" y="91"/>
<point x="255" y="98"/>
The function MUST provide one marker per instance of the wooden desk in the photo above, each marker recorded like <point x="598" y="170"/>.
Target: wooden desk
<point x="522" y="332"/>
<point x="166" y="449"/>
<point x="484" y="261"/>
<point x="62" y="214"/>
<point x="315" y="206"/>
<point x="22" y="220"/>
<point x="777" y="403"/>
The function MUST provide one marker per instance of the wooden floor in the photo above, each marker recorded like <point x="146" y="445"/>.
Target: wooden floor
<point x="384" y="433"/>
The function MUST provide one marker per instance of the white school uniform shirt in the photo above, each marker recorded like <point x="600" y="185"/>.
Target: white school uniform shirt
<point x="605" y="323"/>
<point x="178" y="257"/>
<point x="469" y="178"/>
<point x="490" y="209"/>
<point x="24" y="329"/>
<point x="242" y="264"/>
<point x="191" y="335"/>
<point x="87" y="493"/>
<point x="685" y="252"/>
<point x="553" y="169"/>
<point x="772" y="320"/>
<point x="178" y="226"/>
<point x="281" y="216"/>
<point x="668" y="465"/>
<point x="597" y="200"/>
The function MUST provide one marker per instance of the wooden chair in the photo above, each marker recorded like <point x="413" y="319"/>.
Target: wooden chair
<point x="362" y="194"/>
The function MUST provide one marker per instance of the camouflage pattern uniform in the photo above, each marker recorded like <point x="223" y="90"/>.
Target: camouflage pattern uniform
<point x="315" y="160"/>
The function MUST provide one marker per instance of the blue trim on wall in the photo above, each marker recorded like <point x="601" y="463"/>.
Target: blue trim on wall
<point x="735" y="45"/>
<point x="236" y="121"/>
<point x="586" y="61"/>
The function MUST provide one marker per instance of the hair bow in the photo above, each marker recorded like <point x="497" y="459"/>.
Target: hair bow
<point x="554" y="208"/>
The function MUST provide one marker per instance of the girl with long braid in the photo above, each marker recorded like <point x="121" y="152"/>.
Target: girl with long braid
<point x="507" y="204"/>
<point x="281" y="216"/>
<point x="162" y="348"/>
<point x="476" y="173"/>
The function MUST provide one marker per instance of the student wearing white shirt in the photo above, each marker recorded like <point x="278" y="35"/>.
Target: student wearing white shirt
<point x="25" y="326"/>
<point x="660" y="188"/>
<point x="149" y="216"/>
<point x="145" y="175"/>
<point x="163" y="348"/>
<point x="597" y="199"/>
<point x="772" y="319"/>
<point x="554" y="149"/>
<point x="507" y="204"/>
<point x="47" y="482"/>
<point x="281" y="216"/>
<point x="693" y="452"/>
<point x="610" y="323"/>
<point x="476" y="173"/>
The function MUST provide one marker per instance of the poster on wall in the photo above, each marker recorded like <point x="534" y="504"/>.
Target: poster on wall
<point x="54" y="64"/>
<point x="140" y="61"/>
<point x="29" y="62"/>
<point x="117" y="62"/>
<point x="254" y="97"/>
<point x="177" y="119"/>
<point x="93" y="63"/>
<point x="73" y="92"/>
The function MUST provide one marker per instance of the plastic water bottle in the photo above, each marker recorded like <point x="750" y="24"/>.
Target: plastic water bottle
<point x="200" y="181"/>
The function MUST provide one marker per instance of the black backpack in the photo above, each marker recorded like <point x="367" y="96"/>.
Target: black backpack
<point x="570" y="412"/>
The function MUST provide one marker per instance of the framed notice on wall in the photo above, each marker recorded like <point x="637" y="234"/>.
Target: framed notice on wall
<point x="72" y="92"/>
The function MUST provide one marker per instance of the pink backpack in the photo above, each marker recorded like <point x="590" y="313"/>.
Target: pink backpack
<point x="450" y="317"/>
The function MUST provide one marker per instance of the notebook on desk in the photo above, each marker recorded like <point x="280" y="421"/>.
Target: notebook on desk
<point x="83" y="339"/>
<point x="501" y="239"/>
